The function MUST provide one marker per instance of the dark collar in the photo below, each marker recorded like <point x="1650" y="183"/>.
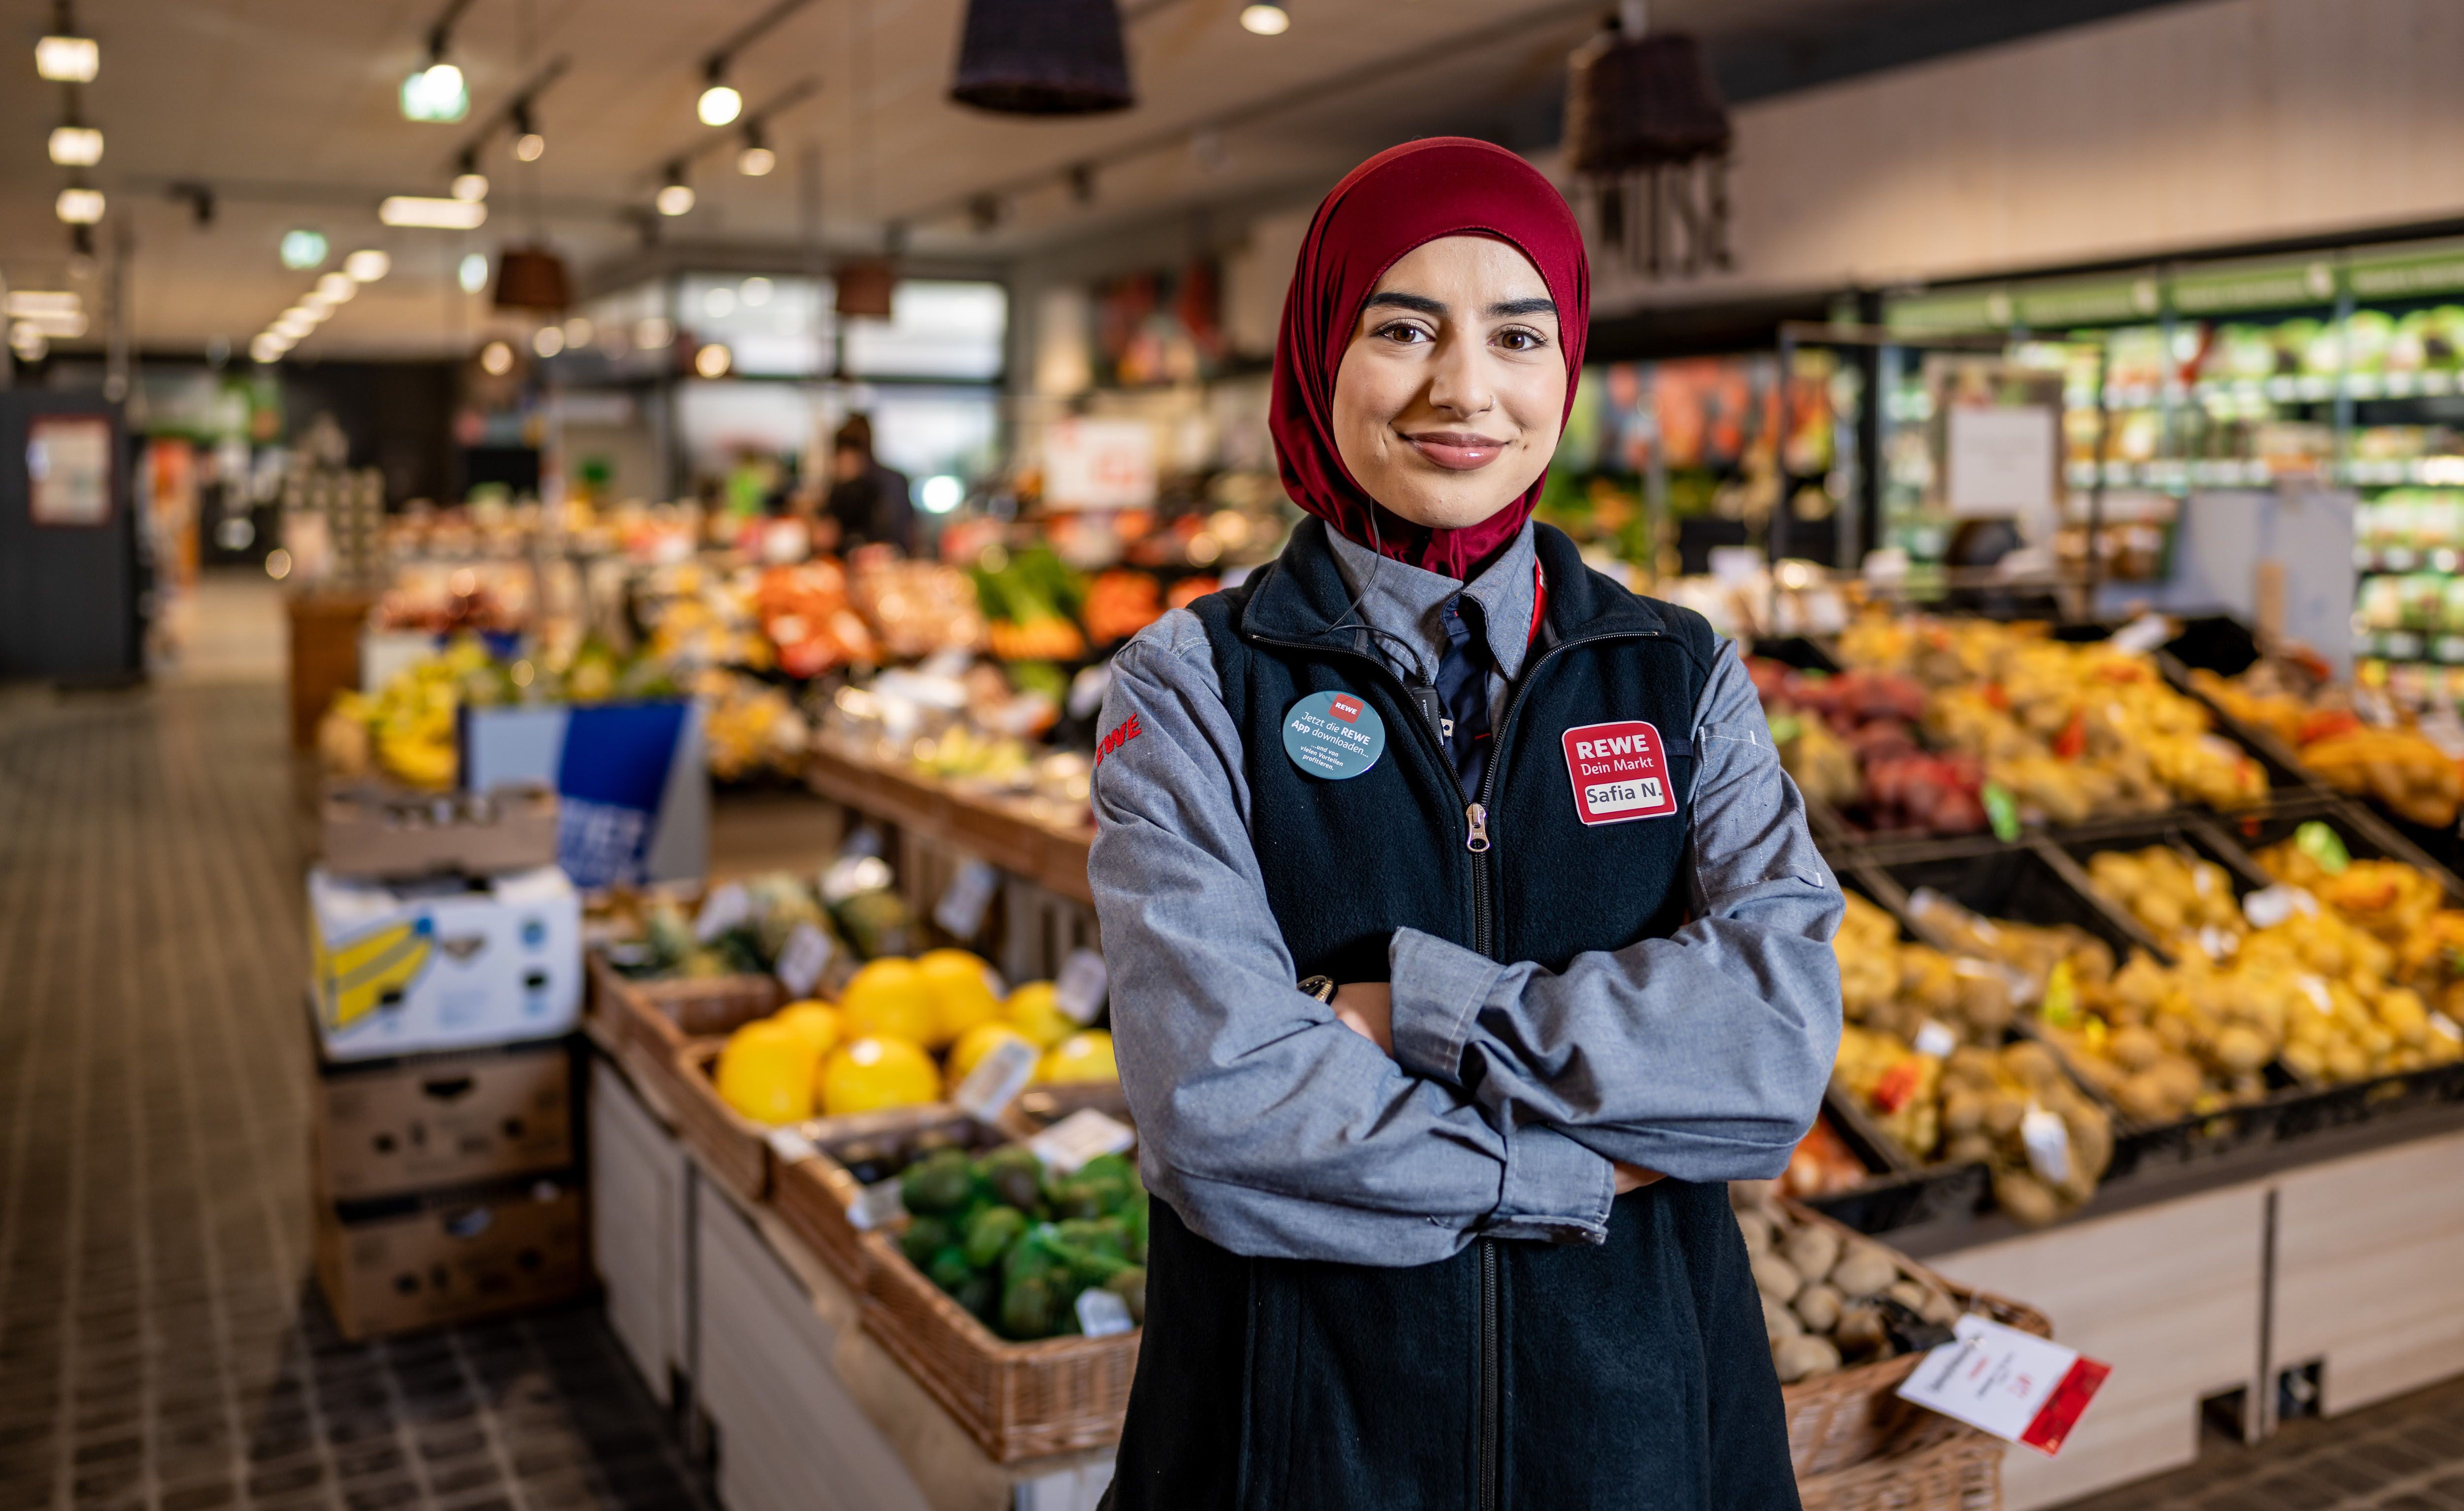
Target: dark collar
<point x="1301" y="595"/>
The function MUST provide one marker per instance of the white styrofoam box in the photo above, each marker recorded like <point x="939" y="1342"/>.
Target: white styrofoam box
<point x="2370" y="1271"/>
<point x="790" y="1436"/>
<point x="637" y="1226"/>
<point x="2169" y="1295"/>
<point x="447" y="964"/>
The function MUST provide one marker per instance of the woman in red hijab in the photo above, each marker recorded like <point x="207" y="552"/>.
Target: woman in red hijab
<point x="1465" y="937"/>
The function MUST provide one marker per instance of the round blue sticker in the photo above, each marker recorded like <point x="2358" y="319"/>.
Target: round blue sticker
<point x="1333" y="734"/>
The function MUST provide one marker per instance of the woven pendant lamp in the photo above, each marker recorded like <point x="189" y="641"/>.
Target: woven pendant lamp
<point x="532" y="278"/>
<point x="1641" y="102"/>
<point x="1044" y="57"/>
<point x="866" y="286"/>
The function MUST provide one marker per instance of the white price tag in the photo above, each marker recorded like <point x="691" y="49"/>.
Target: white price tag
<point x="2444" y="1026"/>
<point x="724" y="909"/>
<point x="1101" y="1314"/>
<point x="1935" y="1040"/>
<point x="2316" y="989"/>
<point x="2271" y="905"/>
<point x="806" y="957"/>
<point x="2015" y="1385"/>
<point x="790" y="1146"/>
<point x="856" y="873"/>
<point x="1081" y="1136"/>
<point x="996" y="1081"/>
<point x="2218" y="944"/>
<point x="1079" y="991"/>
<point x="962" y="909"/>
<point x="2049" y="1144"/>
<point x="2142" y="634"/>
<point x="880" y="1205"/>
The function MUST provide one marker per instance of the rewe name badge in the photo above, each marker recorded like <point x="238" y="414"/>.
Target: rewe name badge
<point x="1618" y="772"/>
<point x="1333" y="734"/>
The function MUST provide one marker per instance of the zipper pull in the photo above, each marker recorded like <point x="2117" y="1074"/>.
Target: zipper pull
<point x="1477" y="840"/>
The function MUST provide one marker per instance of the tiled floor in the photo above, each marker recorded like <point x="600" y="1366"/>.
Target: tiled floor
<point x="161" y="1345"/>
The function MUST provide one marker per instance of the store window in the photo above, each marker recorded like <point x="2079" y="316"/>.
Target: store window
<point x="773" y="327"/>
<point x="935" y="330"/>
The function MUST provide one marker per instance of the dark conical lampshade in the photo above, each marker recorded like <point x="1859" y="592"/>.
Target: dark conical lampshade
<point x="866" y="286"/>
<point x="1044" y="57"/>
<point x="532" y="278"/>
<point x="1640" y="103"/>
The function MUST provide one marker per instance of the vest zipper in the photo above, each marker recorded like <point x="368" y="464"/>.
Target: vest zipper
<point x="1492" y="1382"/>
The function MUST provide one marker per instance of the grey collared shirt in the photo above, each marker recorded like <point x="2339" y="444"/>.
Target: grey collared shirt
<point x="1275" y="1130"/>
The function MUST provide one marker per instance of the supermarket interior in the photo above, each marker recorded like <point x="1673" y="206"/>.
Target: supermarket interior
<point x="560" y="567"/>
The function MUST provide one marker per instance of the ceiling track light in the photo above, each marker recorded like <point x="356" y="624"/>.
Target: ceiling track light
<point x="719" y="103"/>
<point x="755" y="159"/>
<point x="79" y="205"/>
<point x="985" y="214"/>
<point x="63" y="55"/>
<point x="676" y="196"/>
<point x="528" y="143"/>
<point x="1266" y="19"/>
<point x="76" y="146"/>
<point x="436" y="91"/>
<point x="469" y="183"/>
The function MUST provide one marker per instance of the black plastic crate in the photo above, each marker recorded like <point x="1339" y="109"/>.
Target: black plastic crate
<point x="2195" y="837"/>
<point x="2366" y="836"/>
<point x="1903" y="1193"/>
<point x="2017" y="881"/>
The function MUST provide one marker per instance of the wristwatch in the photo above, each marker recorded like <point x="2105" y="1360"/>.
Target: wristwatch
<point x="1321" y="987"/>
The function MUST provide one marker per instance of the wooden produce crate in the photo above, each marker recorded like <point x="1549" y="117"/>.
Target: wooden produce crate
<point x="1018" y="1400"/>
<point x="646" y="1025"/>
<point x="1852" y="1416"/>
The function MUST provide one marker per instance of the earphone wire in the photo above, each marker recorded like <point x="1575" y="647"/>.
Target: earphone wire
<point x="1378" y="548"/>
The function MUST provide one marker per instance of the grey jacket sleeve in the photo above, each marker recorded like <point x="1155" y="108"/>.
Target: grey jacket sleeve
<point x="1702" y="1055"/>
<point x="1270" y="1126"/>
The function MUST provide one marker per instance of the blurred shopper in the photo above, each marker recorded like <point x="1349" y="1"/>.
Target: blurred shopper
<point x="871" y="503"/>
<point x="1465" y="936"/>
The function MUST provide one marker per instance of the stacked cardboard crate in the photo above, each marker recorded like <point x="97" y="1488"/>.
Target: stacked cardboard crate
<point x="446" y="984"/>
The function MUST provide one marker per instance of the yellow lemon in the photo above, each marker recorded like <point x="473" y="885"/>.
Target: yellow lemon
<point x="1033" y="1011"/>
<point x="978" y="1042"/>
<point x="818" y="1021"/>
<point x="877" y="1071"/>
<point x="766" y="1071"/>
<point x="962" y="993"/>
<point x="891" y="996"/>
<point x="1081" y="1056"/>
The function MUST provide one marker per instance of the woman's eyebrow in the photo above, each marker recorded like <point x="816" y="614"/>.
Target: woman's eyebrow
<point x="1513" y="307"/>
<point x="1419" y="303"/>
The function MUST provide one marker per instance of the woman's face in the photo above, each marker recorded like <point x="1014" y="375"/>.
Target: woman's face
<point x="1453" y="389"/>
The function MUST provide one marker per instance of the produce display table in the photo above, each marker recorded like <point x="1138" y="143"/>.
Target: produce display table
<point x="1004" y="831"/>
<point x="737" y="1320"/>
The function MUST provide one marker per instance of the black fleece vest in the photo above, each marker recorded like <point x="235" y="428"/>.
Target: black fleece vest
<point x="1633" y="1373"/>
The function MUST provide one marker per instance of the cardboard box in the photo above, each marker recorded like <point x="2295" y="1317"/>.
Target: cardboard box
<point x="436" y="1121"/>
<point x="426" y="1261"/>
<point x="404" y="968"/>
<point x="372" y="832"/>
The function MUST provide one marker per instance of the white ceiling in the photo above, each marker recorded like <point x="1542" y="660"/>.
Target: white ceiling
<point x="287" y="109"/>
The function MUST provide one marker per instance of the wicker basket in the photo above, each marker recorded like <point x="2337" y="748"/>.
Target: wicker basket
<point x="1018" y="1400"/>
<point x="1844" y="1419"/>
<point x="646" y="1025"/>
<point x="734" y="1148"/>
<point x="813" y="1194"/>
<point x="1937" y="1465"/>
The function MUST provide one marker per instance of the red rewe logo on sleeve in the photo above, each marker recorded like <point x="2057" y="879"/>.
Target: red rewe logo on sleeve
<point x="1122" y="734"/>
<point x="1347" y="708"/>
<point x="1618" y="772"/>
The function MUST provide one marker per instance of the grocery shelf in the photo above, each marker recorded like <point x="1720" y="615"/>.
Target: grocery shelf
<point x="1003" y="832"/>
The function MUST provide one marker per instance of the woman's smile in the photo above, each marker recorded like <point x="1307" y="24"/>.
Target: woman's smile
<point x="1456" y="451"/>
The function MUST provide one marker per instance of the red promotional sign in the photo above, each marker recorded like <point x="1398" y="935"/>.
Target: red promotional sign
<point x="1618" y="772"/>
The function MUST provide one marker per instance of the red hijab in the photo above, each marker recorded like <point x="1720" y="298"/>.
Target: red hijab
<point x="1397" y="201"/>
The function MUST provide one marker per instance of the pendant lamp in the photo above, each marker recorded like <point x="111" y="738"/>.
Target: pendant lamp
<point x="1044" y="57"/>
<point x="532" y="278"/>
<point x="1647" y="138"/>
<point x="865" y="287"/>
<point x="1641" y="102"/>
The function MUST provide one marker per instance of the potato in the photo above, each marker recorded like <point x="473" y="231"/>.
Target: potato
<point x="1756" y="1229"/>
<point x="1778" y="1321"/>
<point x="1819" y="1307"/>
<point x="1803" y="1358"/>
<point x="2029" y="1201"/>
<point x="1866" y="1269"/>
<point x="1811" y="1251"/>
<point x="2135" y="1049"/>
<point x="2242" y="1050"/>
<point x="1777" y="1279"/>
